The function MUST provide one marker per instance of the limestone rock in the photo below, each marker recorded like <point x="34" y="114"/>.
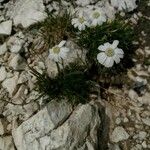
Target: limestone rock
<point x="17" y="63"/>
<point x="6" y="143"/>
<point x="119" y="134"/>
<point x="27" y="12"/>
<point x="3" y="49"/>
<point x="16" y="42"/>
<point x="1" y="128"/>
<point x="56" y="127"/>
<point x="6" y="27"/>
<point x="3" y="73"/>
<point x="146" y="121"/>
<point x="10" y="84"/>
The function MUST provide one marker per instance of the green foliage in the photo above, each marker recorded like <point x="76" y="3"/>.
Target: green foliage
<point x="54" y="28"/>
<point x="92" y="37"/>
<point x="70" y="83"/>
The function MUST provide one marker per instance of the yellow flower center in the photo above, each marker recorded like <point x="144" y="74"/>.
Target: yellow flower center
<point x="81" y="20"/>
<point x="96" y="15"/>
<point x="56" y="50"/>
<point x="110" y="52"/>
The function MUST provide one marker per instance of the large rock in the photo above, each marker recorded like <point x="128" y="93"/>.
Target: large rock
<point x="27" y="12"/>
<point x="6" y="27"/>
<point x="56" y="127"/>
<point x="6" y="143"/>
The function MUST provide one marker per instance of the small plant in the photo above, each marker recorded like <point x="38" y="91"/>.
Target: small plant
<point x="54" y="29"/>
<point x="71" y="83"/>
<point x="93" y="37"/>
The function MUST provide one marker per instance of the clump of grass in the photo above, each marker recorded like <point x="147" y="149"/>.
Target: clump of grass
<point x="92" y="37"/>
<point x="71" y="83"/>
<point x="54" y="29"/>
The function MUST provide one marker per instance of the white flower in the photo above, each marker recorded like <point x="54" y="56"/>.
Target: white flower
<point x="109" y="54"/>
<point x="58" y="52"/>
<point x="83" y="2"/>
<point x="97" y="17"/>
<point x="80" y="22"/>
<point x="128" y="5"/>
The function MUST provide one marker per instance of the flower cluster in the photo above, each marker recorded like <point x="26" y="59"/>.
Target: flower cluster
<point x="89" y="18"/>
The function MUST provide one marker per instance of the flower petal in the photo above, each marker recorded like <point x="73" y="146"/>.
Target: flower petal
<point x="109" y="62"/>
<point x="120" y="55"/>
<point x="101" y="57"/>
<point x="65" y="49"/>
<point x="102" y="48"/>
<point x="115" y="44"/>
<point x="116" y="58"/>
<point x="119" y="51"/>
<point x="107" y="45"/>
<point x="61" y="43"/>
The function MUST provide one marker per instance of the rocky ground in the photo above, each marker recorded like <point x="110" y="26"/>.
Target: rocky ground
<point x="120" y="122"/>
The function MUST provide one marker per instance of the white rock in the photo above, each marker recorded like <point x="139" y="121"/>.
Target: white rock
<point x="145" y="99"/>
<point x="6" y="27"/>
<point x="3" y="73"/>
<point x="146" y="121"/>
<point x="119" y="134"/>
<point x="144" y="144"/>
<point x="27" y="12"/>
<point x="133" y="95"/>
<point x="3" y="49"/>
<point x="40" y="124"/>
<point x="1" y="128"/>
<point x="16" y="42"/>
<point x="6" y="143"/>
<point x="142" y="135"/>
<point x="17" y="63"/>
<point x="118" y="121"/>
<point x="10" y="84"/>
<point x="125" y="120"/>
<point x="55" y="128"/>
<point x="23" y="77"/>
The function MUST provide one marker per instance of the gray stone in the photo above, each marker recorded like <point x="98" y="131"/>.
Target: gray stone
<point x="56" y="127"/>
<point x="146" y="121"/>
<point x="10" y="84"/>
<point x="1" y="128"/>
<point x="15" y="43"/>
<point x="27" y="12"/>
<point x="3" y="73"/>
<point x="142" y="135"/>
<point x="6" y="143"/>
<point x="17" y="63"/>
<point x="119" y="134"/>
<point x="6" y="27"/>
<point x="3" y="49"/>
